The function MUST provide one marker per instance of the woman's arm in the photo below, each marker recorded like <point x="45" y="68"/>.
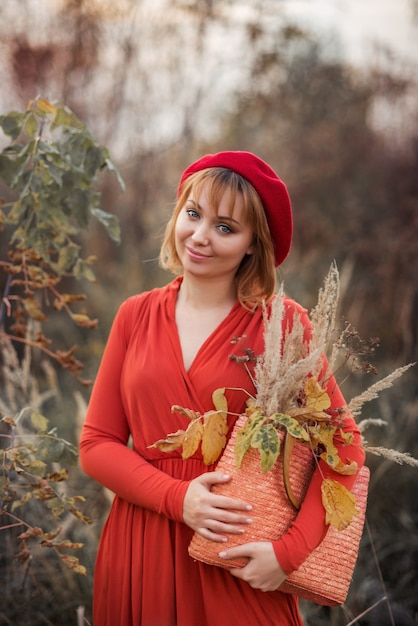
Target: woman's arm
<point x="309" y="528"/>
<point x="104" y="454"/>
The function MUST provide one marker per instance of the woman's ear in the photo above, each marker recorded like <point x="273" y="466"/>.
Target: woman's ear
<point x="250" y="249"/>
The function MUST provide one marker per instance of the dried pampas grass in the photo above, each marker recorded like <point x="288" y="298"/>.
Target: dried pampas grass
<point x="278" y="374"/>
<point x="355" y="405"/>
<point x="402" y="458"/>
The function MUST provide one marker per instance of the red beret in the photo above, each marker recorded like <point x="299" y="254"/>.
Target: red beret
<point x="270" y="188"/>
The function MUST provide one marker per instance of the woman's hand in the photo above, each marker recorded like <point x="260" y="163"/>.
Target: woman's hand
<point x="210" y="514"/>
<point x="262" y="571"/>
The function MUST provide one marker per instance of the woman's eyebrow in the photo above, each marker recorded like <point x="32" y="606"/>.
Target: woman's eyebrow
<point x="224" y="218"/>
<point x="227" y="218"/>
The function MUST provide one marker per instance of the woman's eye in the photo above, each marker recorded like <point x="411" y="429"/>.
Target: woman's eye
<point x="192" y="213"/>
<point x="224" y="228"/>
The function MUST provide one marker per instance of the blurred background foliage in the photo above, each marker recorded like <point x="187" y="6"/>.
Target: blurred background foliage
<point x="159" y="83"/>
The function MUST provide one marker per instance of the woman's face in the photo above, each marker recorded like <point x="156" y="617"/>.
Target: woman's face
<point x="212" y="241"/>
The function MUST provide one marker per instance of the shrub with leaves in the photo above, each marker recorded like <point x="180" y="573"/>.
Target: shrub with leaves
<point x="49" y="173"/>
<point x="35" y="463"/>
<point x="51" y="166"/>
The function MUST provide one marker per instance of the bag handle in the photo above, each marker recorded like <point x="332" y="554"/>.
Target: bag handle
<point x="288" y="446"/>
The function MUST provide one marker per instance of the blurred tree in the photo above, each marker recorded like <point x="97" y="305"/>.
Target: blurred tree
<point x="355" y="197"/>
<point x="160" y="82"/>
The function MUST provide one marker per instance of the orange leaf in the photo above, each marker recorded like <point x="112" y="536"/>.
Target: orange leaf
<point x="214" y="436"/>
<point x="53" y="535"/>
<point x="74" y="564"/>
<point x="8" y="420"/>
<point x="339" y="504"/>
<point x="31" y="533"/>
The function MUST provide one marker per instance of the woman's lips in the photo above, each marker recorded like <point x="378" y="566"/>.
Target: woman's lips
<point x="196" y="256"/>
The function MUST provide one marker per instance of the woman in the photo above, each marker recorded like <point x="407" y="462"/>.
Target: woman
<point x="231" y="226"/>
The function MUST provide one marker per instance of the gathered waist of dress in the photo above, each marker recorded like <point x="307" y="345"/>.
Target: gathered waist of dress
<point x="182" y="469"/>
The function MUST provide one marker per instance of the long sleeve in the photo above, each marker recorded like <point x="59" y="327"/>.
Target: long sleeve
<point x="309" y="528"/>
<point x="104" y="453"/>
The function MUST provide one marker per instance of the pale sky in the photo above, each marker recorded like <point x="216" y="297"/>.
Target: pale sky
<point x="364" y="25"/>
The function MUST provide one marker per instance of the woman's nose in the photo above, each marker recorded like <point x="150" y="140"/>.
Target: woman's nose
<point x="201" y="233"/>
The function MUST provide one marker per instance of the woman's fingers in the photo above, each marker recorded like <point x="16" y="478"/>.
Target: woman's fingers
<point x="231" y="504"/>
<point x="234" y="527"/>
<point x="219" y="501"/>
<point x="210" y="514"/>
<point x="263" y="571"/>
<point x="246" y="550"/>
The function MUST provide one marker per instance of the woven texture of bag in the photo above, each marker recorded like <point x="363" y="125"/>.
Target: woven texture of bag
<point x="326" y="574"/>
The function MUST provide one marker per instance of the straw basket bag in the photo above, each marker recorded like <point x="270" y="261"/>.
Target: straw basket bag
<point x="326" y="574"/>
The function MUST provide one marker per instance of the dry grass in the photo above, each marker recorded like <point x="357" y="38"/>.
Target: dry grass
<point x="280" y="374"/>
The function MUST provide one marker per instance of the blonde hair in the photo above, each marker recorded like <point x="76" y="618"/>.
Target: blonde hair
<point x="255" y="279"/>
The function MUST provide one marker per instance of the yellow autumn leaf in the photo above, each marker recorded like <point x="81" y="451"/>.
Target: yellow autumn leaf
<point x="325" y="437"/>
<point x="345" y="469"/>
<point x="267" y="441"/>
<point x="291" y="424"/>
<point x="30" y="533"/>
<point x="192" y="438"/>
<point x="246" y="433"/>
<point x="22" y="501"/>
<point x="33" y="309"/>
<point x="84" y="321"/>
<point x="172" y="442"/>
<point x="192" y="415"/>
<point x="347" y="438"/>
<point x="70" y="545"/>
<point x="39" y="421"/>
<point x="74" y="564"/>
<point x="43" y="106"/>
<point x="339" y="504"/>
<point x="306" y="413"/>
<point x="317" y="399"/>
<point x="59" y="476"/>
<point x="219" y="401"/>
<point x="214" y="436"/>
<point x="253" y="412"/>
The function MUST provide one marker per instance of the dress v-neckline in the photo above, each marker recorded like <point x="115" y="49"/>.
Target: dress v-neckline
<point x="208" y="338"/>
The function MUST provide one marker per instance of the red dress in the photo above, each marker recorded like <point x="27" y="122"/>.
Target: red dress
<point x="144" y="575"/>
